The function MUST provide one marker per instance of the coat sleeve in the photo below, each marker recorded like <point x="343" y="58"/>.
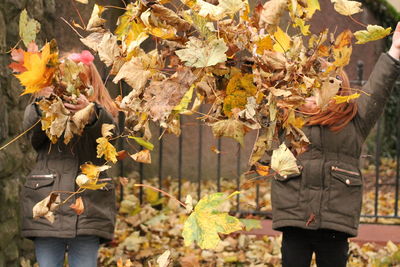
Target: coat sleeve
<point x="378" y="88"/>
<point x="36" y="135"/>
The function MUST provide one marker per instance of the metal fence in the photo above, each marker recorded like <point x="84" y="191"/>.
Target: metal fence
<point x="237" y="167"/>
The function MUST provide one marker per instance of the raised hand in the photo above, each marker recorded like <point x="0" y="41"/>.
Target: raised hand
<point x="395" y="48"/>
<point x="81" y="102"/>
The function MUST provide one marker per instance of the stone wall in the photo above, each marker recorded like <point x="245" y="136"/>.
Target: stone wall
<point x="16" y="159"/>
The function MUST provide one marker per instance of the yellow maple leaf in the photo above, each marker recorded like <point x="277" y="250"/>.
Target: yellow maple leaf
<point x="92" y="171"/>
<point x="312" y="6"/>
<point x="345" y="98"/>
<point x="346" y="7"/>
<point x="373" y="33"/>
<point x="283" y="41"/>
<point x="37" y="75"/>
<point x="265" y="43"/>
<point x="305" y="29"/>
<point x="106" y="149"/>
<point x="206" y="221"/>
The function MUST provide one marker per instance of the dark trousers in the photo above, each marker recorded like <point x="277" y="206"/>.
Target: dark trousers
<point x="330" y="247"/>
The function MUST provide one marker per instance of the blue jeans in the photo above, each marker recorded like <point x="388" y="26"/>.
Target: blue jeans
<point x="82" y="251"/>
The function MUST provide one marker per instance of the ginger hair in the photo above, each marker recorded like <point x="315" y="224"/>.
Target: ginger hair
<point x="100" y="93"/>
<point x="337" y="116"/>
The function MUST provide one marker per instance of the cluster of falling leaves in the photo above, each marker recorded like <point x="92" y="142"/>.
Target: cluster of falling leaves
<point x="251" y="72"/>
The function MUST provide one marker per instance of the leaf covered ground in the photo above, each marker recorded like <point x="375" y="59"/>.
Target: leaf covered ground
<point x="144" y="232"/>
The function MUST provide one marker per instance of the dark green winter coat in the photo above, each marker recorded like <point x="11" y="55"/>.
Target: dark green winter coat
<point x="55" y="170"/>
<point x="328" y="192"/>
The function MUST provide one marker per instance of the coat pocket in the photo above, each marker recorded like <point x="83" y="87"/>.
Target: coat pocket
<point x="345" y="190"/>
<point x="285" y="191"/>
<point x="35" y="189"/>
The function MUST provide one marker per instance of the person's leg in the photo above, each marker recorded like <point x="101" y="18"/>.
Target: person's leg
<point x="50" y="251"/>
<point x="332" y="249"/>
<point x="82" y="251"/>
<point x="296" y="248"/>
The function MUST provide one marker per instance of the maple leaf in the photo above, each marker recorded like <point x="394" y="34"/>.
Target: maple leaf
<point x="108" y="49"/>
<point x="142" y="156"/>
<point x="106" y="129"/>
<point x="327" y="91"/>
<point x="284" y="162"/>
<point x="106" y="149"/>
<point x="45" y="207"/>
<point x="343" y="39"/>
<point x="231" y="7"/>
<point x="93" y="40"/>
<point x="373" y="33"/>
<point x="89" y="176"/>
<point x="78" y="206"/>
<point x="82" y="117"/>
<point x="96" y="23"/>
<point x="37" y="75"/>
<point x="163" y="260"/>
<point x="163" y="96"/>
<point x="206" y="221"/>
<point x="156" y="26"/>
<point x="239" y="88"/>
<point x="142" y="142"/>
<point x="312" y="6"/>
<point x="345" y="98"/>
<point x="18" y="56"/>
<point x="28" y="28"/>
<point x="265" y="43"/>
<point x="229" y="128"/>
<point x="262" y="144"/>
<point x="283" y="41"/>
<point x="201" y="54"/>
<point x="346" y="7"/>
<point x="92" y="171"/>
<point x="272" y="12"/>
<point x="170" y="17"/>
<point x="138" y="70"/>
<point x="209" y="10"/>
<point x="305" y="29"/>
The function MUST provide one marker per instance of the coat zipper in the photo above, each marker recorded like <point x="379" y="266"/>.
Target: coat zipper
<point x="43" y="176"/>
<point x="334" y="168"/>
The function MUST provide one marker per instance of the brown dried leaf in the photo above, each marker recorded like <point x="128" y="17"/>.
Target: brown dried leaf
<point x="163" y="96"/>
<point x="143" y="156"/>
<point x="78" y="206"/>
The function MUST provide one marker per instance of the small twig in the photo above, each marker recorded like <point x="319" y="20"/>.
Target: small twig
<point x="162" y="192"/>
<point x="80" y="190"/>
<point x="79" y="14"/>
<point x="9" y="51"/>
<point x="355" y="89"/>
<point x="117" y="7"/>
<point x="61" y="192"/>
<point x="72" y="27"/>
<point x="356" y="21"/>
<point x="16" y="138"/>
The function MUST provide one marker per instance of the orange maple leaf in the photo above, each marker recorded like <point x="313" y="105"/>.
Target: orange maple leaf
<point x="38" y="74"/>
